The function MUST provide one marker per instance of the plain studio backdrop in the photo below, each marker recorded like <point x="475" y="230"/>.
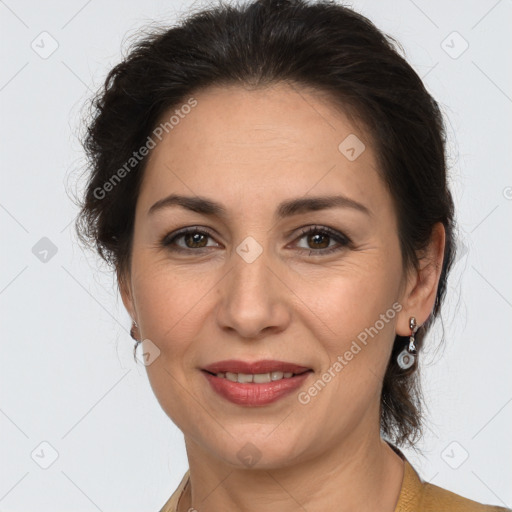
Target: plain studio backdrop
<point x="80" y="427"/>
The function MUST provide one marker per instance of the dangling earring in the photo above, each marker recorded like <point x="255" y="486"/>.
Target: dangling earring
<point x="407" y="357"/>
<point x="132" y="331"/>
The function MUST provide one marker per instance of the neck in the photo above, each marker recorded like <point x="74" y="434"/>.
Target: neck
<point x="359" y="474"/>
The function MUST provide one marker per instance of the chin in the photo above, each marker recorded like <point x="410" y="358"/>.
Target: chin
<point x="256" y="449"/>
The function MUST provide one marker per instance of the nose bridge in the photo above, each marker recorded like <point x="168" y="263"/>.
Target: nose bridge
<point x="251" y="267"/>
<point x="251" y="299"/>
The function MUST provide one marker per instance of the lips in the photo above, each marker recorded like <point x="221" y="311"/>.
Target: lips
<point x="255" y="384"/>
<point x="256" y="367"/>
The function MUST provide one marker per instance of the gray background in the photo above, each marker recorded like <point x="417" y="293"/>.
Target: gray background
<point x="67" y="376"/>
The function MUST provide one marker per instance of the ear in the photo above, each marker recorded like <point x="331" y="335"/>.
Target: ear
<point x="420" y="292"/>
<point x="125" y="290"/>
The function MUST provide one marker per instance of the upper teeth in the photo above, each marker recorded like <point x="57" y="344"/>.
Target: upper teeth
<point x="258" y="378"/>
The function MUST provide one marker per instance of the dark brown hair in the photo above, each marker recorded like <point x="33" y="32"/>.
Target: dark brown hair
<point x="321" y="46"/>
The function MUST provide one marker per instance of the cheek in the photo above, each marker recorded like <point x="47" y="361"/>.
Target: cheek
<point x="169" y="304"/>
<point x="352" y="322"/>
<point x="168" y="300"/>
<point x="171" y="308"/>
<point x="352" y="314"/>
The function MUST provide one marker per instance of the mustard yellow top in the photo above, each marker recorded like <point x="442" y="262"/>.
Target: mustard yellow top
<point x="415" y="495"/>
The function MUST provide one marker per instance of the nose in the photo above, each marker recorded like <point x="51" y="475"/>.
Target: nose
<point x="253" y="298"/>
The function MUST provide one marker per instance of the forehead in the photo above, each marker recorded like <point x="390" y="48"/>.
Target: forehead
<point x="262" y="143"/>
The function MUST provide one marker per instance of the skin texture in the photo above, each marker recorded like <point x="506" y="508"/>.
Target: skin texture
<point x="250" y="150"/>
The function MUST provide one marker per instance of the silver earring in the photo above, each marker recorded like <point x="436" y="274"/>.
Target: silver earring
<point x="132" y="331"/>
<point x="407" y="357"/>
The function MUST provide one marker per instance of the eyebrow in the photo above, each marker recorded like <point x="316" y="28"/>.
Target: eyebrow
<point x="285" y="209"/>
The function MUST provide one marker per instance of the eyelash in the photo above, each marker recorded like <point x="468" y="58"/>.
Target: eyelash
<point x="169" y="239"/>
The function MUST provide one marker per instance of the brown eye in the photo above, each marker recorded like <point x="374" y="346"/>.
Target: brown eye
<point x="318" y="239"/>
<point x="193" y="239"/>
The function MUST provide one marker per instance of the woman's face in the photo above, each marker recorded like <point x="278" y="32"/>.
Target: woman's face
<point x="255" y="287"/>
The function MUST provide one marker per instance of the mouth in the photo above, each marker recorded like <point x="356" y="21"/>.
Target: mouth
<point x="255" y="384"/>
<point x="258" y="372"/>
<point x="256" y="378"/>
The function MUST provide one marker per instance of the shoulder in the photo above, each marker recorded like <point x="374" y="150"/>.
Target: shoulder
<point x="171" y="504"/>
<point x="419" y="496"/>
<point x="436" y="498"/>
<point x="415" y="496"/>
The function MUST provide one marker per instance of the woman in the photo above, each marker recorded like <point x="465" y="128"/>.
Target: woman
<point x="269" y="183"/>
